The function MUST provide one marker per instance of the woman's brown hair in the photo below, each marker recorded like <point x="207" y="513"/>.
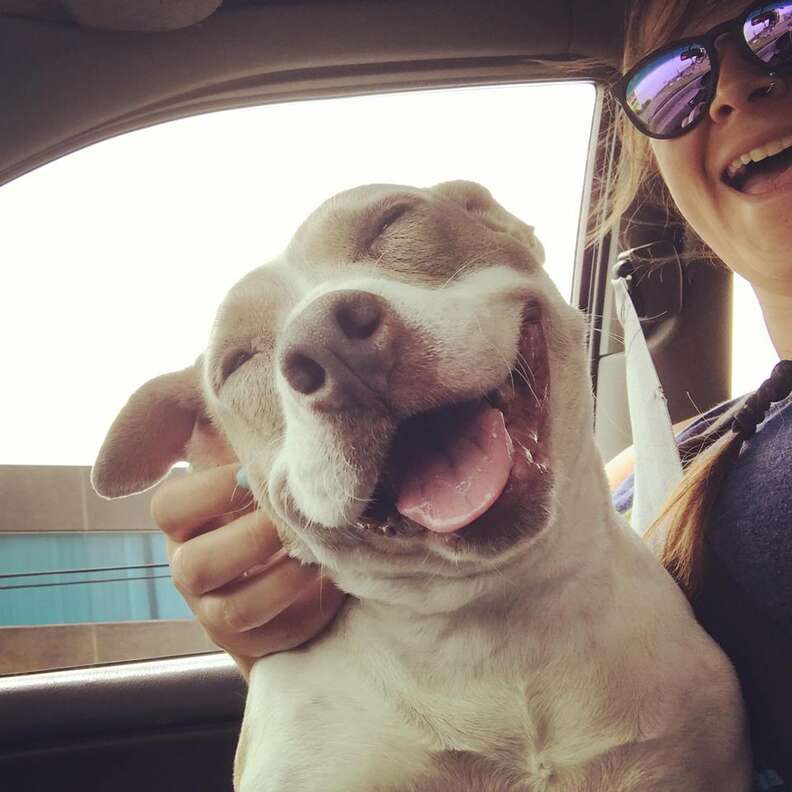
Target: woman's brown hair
<point x="685" y="518"/>
<point x="648" y="24"/>
<point x="708" y="456"/>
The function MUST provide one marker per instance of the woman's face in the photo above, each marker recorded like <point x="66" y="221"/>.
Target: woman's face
<point x="751" y="233"/>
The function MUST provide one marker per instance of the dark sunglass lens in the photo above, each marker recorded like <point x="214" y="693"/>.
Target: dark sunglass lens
<point x="768" y="32"/>
<point x="671" y="92"/>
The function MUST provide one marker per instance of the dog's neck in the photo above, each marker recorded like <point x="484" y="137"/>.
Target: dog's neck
<point x="574" y="547"/>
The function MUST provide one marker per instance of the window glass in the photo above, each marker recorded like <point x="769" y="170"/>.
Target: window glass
<point x="136" y="562"/>
<point x="753" y="354"/>
<point x="115" y="260"/>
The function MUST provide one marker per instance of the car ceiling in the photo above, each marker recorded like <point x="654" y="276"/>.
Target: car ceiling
<point x="65" y="84"/>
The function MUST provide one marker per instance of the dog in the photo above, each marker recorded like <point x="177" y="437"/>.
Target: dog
<point x="409" y="395"/>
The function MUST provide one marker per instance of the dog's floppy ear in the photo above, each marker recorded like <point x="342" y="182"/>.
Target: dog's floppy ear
<point x="478" y="201"/>
<point x="163" y="422"/>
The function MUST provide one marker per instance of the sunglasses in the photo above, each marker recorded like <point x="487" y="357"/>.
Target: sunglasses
<point x="668" y="92"/>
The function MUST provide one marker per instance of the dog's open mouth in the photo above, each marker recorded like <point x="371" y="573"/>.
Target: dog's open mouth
<point x="449" y="466"/>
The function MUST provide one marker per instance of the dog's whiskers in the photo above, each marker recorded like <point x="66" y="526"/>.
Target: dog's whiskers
<point x="520" y="368"/>
<point x="506" y="363"/>
<point x="464" y="267"/>
<point x="455" y="274"/>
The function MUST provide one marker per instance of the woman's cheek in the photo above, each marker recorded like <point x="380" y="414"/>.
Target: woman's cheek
<point x="678" y="170"/>
<point x="681" y="165"/>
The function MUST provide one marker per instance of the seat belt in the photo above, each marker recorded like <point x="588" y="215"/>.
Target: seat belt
<point x="658" y="469"/>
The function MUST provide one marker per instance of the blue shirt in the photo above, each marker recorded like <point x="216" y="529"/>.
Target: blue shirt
<point x="746" y="597"/>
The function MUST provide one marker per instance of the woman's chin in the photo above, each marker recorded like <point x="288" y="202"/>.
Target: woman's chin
<point x="753" y="237"/>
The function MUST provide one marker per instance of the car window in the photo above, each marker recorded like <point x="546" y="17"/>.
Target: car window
<point x="753" y="353"/>
<point x="115" y="259"/>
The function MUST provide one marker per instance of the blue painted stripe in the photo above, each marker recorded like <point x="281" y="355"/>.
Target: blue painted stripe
<point x="91" y="596"/>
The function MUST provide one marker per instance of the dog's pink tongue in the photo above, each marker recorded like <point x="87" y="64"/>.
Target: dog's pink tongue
<point x="452" y="485"/>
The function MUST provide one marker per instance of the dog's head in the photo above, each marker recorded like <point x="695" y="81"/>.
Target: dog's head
<point x="403" y="385"/>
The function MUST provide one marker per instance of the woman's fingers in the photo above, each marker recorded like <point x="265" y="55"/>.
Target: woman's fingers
<point x="305" y="618"/>
<point x="253" y="601"/>
<point x="228" y="563"/>
<point x="190" y="505"/>
<point x="215" y="558"/>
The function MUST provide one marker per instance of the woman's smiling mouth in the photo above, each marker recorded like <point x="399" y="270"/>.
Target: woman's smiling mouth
<point x="762" y="169"/>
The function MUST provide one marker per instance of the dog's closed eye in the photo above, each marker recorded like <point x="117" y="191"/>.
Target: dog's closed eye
<point x="386" y="220"/>
<point x="232" y="360"/>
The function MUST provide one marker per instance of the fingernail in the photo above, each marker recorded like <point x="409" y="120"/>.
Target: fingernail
<point x="242" y="479"/>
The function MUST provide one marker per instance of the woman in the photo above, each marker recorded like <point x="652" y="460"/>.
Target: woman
<point x="703" y="107"/>
<point x="725" y="99"/>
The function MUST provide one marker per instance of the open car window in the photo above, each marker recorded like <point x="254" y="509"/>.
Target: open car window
<point x="753" y="353"/>
<point x="116" y="259"/>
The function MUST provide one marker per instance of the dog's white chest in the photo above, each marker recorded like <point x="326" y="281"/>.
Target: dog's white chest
<point x="550" y="710"/>
<point x="336" y="719"/>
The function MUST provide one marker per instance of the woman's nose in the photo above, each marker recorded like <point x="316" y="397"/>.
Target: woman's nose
<point x="741" y="83"/>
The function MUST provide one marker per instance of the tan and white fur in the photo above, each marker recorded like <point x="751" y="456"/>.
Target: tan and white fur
<point x="560" y="657"/>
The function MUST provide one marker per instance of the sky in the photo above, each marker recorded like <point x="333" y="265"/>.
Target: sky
<point x="115" y="257"/>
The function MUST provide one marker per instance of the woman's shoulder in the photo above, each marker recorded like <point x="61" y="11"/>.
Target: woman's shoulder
<point x="746" y="603"/>
<point x="751" y="514"/>
<point x="620" y="468"/>
<point x="772" y="444"/>
<point x="700" y="423"/>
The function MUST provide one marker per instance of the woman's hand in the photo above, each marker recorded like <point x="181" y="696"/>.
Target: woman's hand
<point x="229" y="565"/>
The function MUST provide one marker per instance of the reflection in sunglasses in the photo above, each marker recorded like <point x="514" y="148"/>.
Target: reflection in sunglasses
<point x="666" y="94"/>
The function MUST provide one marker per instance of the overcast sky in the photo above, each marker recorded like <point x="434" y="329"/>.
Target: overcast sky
<point x="115" y="258"/>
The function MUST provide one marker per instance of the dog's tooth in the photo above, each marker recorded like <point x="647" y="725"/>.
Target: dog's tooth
<point x="533" y="435"/>
<point x="502" y="397"/>
<point x="388" y="529"/>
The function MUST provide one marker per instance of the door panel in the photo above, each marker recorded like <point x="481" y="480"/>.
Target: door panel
<point x="166" y="724"/>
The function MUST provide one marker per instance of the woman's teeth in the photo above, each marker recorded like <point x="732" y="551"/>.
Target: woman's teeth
<point x="757" y="155"/>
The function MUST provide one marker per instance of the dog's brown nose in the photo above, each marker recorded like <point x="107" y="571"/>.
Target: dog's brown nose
<point x="339" y="351"/>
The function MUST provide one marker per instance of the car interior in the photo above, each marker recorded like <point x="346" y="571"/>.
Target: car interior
<point x="77" y="72"/>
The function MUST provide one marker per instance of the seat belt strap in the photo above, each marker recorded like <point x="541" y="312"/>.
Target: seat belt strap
<point x="658" y="469"/>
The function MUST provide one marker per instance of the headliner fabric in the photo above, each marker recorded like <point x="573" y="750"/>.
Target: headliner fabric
<point x="144" y="15"/>
<point x="140" y="15"/>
